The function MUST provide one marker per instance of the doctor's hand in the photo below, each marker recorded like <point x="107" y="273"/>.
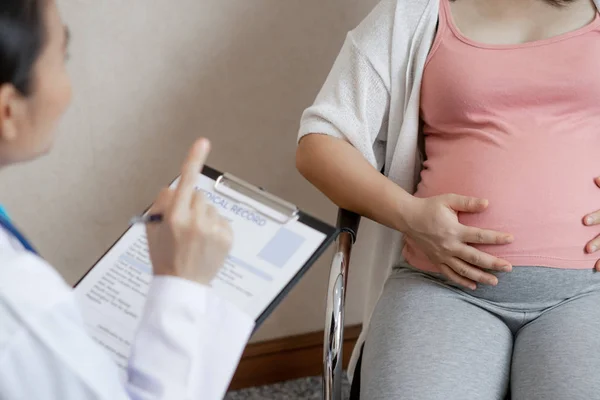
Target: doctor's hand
<point x="434" y="227"/>
<point x="192" y="240"/>
<point x="593" y="219"/>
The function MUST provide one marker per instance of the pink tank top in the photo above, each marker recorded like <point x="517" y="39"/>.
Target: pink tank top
<point x="518" y="125"/>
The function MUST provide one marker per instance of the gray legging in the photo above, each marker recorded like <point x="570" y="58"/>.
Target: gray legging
<point x="538" y="330"/>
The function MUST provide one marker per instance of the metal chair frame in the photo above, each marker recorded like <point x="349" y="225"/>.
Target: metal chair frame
<point x="347" y="224"/>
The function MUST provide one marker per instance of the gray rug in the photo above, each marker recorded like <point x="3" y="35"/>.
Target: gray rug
<point x="305" y="389"/>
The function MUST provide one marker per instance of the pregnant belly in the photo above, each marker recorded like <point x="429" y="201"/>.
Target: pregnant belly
<point x="538" y="196"/>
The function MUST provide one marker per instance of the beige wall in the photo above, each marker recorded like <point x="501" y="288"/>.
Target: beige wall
<point x="152" y="75"/>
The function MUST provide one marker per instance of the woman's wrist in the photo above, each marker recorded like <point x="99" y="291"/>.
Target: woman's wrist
<point x="395" y="207"/>
<point x="404" y="208"/>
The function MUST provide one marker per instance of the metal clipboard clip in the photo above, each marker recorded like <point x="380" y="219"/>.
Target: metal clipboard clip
<point x="256" y="198"/>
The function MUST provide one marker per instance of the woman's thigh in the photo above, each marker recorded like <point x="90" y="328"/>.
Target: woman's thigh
<point x="427" y="342"/>
<point x="557" y="355"/>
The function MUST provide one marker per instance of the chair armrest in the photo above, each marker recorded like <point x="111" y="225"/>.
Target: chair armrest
<point x="347" y="223"/>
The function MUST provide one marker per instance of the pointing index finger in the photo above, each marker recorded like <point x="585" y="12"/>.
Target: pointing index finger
<point x="189" y="172"/>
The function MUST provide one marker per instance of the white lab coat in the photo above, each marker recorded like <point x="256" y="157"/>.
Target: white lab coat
<point x="187" y="347"/>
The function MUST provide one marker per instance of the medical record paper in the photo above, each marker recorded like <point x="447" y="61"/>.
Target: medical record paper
<point x="265" y="257"/>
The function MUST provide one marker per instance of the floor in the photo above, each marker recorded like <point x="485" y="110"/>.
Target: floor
<point x="305" y="389"/>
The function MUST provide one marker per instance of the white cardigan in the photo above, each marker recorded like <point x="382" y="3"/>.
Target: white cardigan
<point x="371" y="98"/>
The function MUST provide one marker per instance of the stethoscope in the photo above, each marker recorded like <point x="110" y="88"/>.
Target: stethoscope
<point x="10" y="228"/>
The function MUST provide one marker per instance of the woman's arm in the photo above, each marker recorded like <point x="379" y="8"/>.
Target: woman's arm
<point x="343" y="139"/>
<point x="343" y="174"/>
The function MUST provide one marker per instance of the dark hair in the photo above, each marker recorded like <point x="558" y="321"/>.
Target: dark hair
<point x="22" y="35"/>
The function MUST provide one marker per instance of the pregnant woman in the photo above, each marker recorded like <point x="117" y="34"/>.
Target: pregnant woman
<point x="485" y="117"/>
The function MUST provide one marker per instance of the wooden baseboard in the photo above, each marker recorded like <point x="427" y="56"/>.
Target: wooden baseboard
<point x="287" y="358"/>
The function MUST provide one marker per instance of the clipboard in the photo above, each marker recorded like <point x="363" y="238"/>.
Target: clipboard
<point x="264" y="204"/>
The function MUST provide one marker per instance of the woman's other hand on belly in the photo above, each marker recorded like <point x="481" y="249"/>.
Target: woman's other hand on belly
<point x="434" y="227"/>
<point x="593" y="219"/>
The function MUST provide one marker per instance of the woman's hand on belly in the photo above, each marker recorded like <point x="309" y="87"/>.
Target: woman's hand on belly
<point x="593" y="219"/>
<point x="434" y="227"/>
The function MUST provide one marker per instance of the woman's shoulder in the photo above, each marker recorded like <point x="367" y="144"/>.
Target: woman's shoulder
<point x="392" y="23"/>
<point x="404" y="15"/>
<point x="391" y="27"/>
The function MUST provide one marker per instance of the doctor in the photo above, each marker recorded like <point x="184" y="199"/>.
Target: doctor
<point x="45" y="352"/>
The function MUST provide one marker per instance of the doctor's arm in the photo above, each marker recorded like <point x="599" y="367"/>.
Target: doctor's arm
<point x="195" y="338"/>
<point x="187" y="346"/>
<point x="188" y="343"/>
